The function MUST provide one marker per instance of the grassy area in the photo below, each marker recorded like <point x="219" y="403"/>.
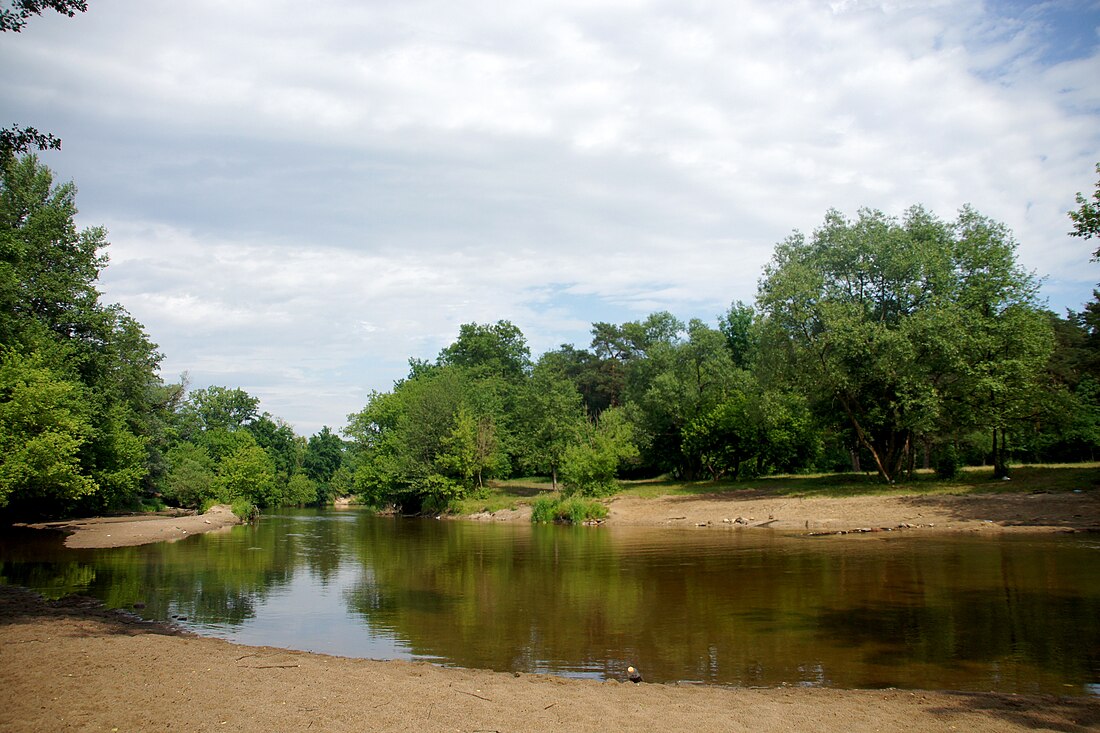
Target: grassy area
<point x="971" y="480"/>
<point x="513" y="493"/>
<point x="499" y="495"/>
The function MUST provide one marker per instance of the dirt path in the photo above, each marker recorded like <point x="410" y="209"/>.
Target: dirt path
<point x="71" y="665"/>
<point x="1049" y="512"/>
<point x="140" y="529"/>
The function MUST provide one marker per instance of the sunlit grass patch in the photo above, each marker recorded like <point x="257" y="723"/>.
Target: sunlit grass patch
<point x="498" y="495"/>
<point x="970" y="480"/>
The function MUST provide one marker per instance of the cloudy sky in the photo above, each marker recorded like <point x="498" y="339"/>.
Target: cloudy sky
<point x="301" y="196"/>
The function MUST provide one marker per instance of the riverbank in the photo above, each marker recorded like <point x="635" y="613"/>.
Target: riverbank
<point x="139" y="529"/>
<point x="750" y="508"/>
<point x="73" y="665"/>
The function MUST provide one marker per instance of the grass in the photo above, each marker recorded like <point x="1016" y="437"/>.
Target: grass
<point x="573" y="509"/>
<point x="513" y="493"/>
<point x="498" y="495"/>
<point x="970" y="480"/>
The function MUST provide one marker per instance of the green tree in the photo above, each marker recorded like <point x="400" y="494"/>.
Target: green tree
<point x="324" y="456"/>
<point x="401" y="436"/>
<point x="553" y="420"/>
<point x="1086" y="218"/>
<point x="190" y="480"/>
<point x="675" y="384"/>
<point x="215" y="408"/>
<point x="44" y="427"/>
<point x="738" y="326"/>
<point x="248" y="473"/>
<point x="490" y="349"/>
<point x="49" y="306"/>
<point x="890" y="319"/>
<point x="590" y="466"/>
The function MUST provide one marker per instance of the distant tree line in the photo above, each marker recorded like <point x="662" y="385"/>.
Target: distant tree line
<point x="877" y="344"/>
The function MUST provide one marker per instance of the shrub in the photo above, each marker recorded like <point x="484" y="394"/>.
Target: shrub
<point x="245" y="509"/>
<point x="947" y="465"/>
<point x="572" y="509"/>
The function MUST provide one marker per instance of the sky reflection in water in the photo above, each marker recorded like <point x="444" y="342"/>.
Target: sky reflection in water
<point x="730" y="607"/>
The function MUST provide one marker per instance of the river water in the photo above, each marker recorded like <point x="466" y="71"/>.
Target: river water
<point x="1011" y="613"/>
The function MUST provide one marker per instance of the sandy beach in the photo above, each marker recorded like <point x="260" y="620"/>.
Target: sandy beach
<point x="139" y="529"/>
<point x="1023" y="512"/>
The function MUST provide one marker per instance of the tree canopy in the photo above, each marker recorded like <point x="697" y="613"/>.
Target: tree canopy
<point x="910" y="329"/>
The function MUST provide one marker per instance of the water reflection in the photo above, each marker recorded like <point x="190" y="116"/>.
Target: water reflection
<point x="720" y="607"/>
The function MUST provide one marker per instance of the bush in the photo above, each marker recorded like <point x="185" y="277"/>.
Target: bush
<point x="573" y="509"/>
<point x="246" y="510"/>
<point x="947" y="465"/>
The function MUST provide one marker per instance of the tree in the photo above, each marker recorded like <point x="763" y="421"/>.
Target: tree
<point x="674" y="385"/>
<point x="44" y="427"/>
<point x="190" y="479"/>
<point x="890" y="320"/>
<point x="471" y="451"/>
<point x="215" y="408"/>
<point x="248" y="473"/>
<point x="737" y="324"/>
<point x="401" y="437"/>
<point x="50" y="309"/>
<point x="491" y="349"/>
<point x="1086" y="219"/>
<point x="48" y="268"/>
<point x="323" y="458"/>
<point x="589" y="466"/>
<point x="553" y="420"/>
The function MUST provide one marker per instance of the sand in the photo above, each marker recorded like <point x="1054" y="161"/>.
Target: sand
<point x="72" y="665"/>
<point x="140" y="529"/>
<point x="1037" y="512"/>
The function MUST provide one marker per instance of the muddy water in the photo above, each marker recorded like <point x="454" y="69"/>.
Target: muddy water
<point x="727" y="607"/>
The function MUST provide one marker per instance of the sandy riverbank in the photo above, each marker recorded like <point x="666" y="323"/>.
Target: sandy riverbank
<point x="1038" y="512"/>
<point x="72" y="665"/>
<point x="1028" y="512"/>
<point x="140" y="529"/>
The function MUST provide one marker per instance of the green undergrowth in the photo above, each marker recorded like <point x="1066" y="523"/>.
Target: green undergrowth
<point x="498" y="495"/>
<point x="573" y="509"/>
<point x="514" y="493"/>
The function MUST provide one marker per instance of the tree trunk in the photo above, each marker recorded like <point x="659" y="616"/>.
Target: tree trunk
<point x="1000" y="463"/>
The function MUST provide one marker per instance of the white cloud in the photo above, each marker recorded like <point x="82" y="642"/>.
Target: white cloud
<point x="301" y="198"/>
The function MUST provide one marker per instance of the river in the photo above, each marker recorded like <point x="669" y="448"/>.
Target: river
<point x="1011" y="613"/>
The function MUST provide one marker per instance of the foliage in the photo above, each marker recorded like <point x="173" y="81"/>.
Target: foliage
<point x="1086" y="218"/>
<point x="53" y="323"/>
<point x="44" y="425"/>
<point x="897" y="323"/>
<point x="589" y="467"/>
<point x="14" y="18"/>
<point x="574" y="510"/>
<point x="553" y="419"/>
<point x="947" y="467"/>
<point x="498" y="349"/>
<point x="247" y="473"/>
<point x="190" y="480"/>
